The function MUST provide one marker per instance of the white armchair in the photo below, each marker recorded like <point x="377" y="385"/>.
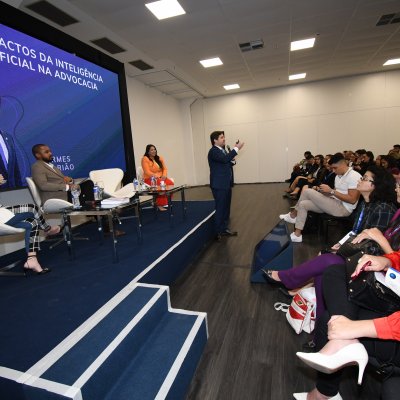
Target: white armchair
<point x="111" y="177"/>
<point x="51" y="206"/>
<point x="6" y="230"/>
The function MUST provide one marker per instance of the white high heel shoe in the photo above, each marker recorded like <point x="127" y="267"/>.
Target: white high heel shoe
<point x="303" y="396"/>
<point x="354" y="353"/>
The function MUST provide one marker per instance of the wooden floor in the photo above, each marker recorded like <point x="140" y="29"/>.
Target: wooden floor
<point x="251" y="349"/>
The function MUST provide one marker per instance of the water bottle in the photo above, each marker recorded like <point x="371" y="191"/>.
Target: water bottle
<point x="135" y="184"/>
<point x="153" y="182"/>
<point x="96" y="192"/>
<point x="162" y="185"/>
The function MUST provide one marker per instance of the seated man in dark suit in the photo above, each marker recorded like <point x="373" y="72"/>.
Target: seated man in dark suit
<point x="221" y="180"/>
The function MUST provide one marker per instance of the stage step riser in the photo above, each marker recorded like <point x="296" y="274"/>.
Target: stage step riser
<point x="171" y="354"/>
<point x="153" y="356"/>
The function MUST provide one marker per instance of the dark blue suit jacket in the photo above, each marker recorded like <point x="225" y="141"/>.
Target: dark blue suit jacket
<point x="18" y="167"/>
<point x="221" y="175"/>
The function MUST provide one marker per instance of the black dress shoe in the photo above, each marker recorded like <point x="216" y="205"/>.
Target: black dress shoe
<point x="227" y="232"/>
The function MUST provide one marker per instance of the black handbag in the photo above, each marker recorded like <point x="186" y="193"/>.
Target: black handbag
<point x="367" y="246"/>
<point x="367" y="292"/>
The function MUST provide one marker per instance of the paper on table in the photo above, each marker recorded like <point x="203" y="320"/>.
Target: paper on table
<point x="115" y="201"/>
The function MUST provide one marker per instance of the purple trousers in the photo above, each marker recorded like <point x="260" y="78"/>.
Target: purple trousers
<point x="296" y="277"/>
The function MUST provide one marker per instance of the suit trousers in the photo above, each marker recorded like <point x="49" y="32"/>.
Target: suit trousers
<point x="337" y="303"/>
<point x="311" y="200"/>
<point x="222" y="199"/>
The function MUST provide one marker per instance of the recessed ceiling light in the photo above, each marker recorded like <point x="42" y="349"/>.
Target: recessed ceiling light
<point x="302" y="44"/>
<point x="392" y="61"/>
<point x="211" y="62"/>
<point x="297" y="76"/>
<point x="232" y="86"/>
<point x="163" y="9"/>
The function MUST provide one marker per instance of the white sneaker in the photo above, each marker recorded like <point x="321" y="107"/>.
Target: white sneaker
<point x="288" y="218"/>
<point x="296" y="239"/>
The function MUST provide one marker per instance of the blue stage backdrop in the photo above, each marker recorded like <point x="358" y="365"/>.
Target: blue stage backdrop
<point x="50" y="96"/>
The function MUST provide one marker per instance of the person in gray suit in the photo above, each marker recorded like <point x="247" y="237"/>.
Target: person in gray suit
<point x="49" y="179"/>
<point x="52" y="183"/>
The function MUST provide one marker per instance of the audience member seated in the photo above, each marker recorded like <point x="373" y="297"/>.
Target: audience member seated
<point x="154" y="165"/>
<point x="306" y="170"/>
<point x="339" y="202"/>
<point x="28" y="217"/>
<point x="378" y="160"/>
<point x="375" y="214"/>
<point x="312" y="179"/>
<point x="388" y="162"/>
<point x="395" y="152"/>
<point x="348" y="333"/>
<point x="297" y="168"/>
<point x="366" y="161"/>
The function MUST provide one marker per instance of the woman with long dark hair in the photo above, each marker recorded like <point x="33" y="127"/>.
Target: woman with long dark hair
<point x="154" y="165"/>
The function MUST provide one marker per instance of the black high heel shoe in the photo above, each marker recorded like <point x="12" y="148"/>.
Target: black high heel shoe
<point x="267" y="274"/>
<point x="27" y="269"/>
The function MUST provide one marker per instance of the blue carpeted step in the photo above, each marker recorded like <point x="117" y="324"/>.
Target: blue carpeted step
<point x="136" y="316"/>
<point x="165" y="365"/>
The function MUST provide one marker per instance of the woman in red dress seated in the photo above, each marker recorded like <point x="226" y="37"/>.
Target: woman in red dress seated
<point x="154" y="165"/>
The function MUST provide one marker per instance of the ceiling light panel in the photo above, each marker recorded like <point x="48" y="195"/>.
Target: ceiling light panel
<point x="297" y="76"/>
<point x="232" y="86"/>
<point x="302" y="44"/>
<point x="211" y="62"/>
<point x="393" y="61"/>
<point x="163" y="9"/>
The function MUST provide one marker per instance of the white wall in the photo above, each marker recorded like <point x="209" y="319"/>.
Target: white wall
<point x="163" y="121"/>
<point x="279" y="124"/>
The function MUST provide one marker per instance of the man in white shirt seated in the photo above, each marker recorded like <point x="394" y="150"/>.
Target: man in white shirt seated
<point x="339" y="202"/>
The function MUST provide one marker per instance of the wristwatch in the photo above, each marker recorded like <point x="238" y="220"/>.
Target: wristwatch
<point x="332" y="192"/>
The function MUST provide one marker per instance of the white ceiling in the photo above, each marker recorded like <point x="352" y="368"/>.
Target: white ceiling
<point x="348" y="42"/>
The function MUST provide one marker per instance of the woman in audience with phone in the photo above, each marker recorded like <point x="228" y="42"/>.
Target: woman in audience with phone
<point x="154" y="166"/>
<point x="378" y="189"/>
<point x="348" y="333"/>
<point x="28" y="217"/>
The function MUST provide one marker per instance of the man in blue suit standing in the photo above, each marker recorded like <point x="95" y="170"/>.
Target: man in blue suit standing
<point x="221" y="180"/>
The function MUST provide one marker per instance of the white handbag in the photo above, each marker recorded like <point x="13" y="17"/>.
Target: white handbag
<point x="300" y="313"/>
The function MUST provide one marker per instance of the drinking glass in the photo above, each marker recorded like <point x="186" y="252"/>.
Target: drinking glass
<point x="76" y="191"/>
<point x="100" y="185"/>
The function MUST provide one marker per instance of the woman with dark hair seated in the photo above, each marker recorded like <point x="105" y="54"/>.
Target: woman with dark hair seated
<point x="315" y="178"/>
<point x="348" y="333"/>
<point x="28" y="217"/>
<point x="388" y="162"/>
<point x="154" y="165"/>
<point x="367" y="161"/>
<point x="307" y="170"/>
<point x="378" y="190"/>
